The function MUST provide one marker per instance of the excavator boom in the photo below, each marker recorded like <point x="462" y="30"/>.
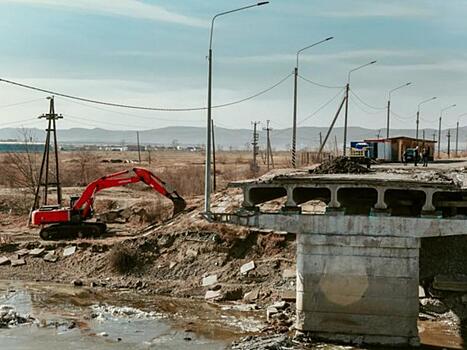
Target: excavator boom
<point x="81" y="209"/>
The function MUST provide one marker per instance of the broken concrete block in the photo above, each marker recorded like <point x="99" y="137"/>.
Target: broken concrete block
<point x="433" y="305"/>
<point x="279" y="305"/>
<point x="4" y="260"/>
<point x="289" y="273"/>
<point x="172" y="264"/>
<point x="69" y="251"/>
<point x="251" y="295"/>
<point x="213" y="294"/>
<point x="421" y="292"/>
<point x="192" y="252"/>
<point x="289" y="295"/>
<point x="36" y="252"/>
<point x="18" y="262"/>
<point x="50" y="257"/>
<point x="209" y="280"/>
<point x="22" y="252"/>
<point x="247" y="267"/>
<point x="271" y="311"/>
<point x="456" y="283"/>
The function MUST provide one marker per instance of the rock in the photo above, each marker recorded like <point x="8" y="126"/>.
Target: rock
<point x="433" y="305"/>
<point x="50" y="257"/>
<point x="36" y="252"/>
<point x="270" y="311"/>
<point x="77" y="283"/>
<point x="289" y="295"/>
<point x="247" y="267"/>
<point x="213" y="294"/>
<point x="4" y="260"/>
<point x="18" y="262"/>
<point x="69" y="251"/>
<point x="421" y="292"/>
<point x="102" y="334"/>
<point x="172" y="264"/>
<point x="279" y="305"/>
<point x="251" y="295"/>
<point x="191" y="252"/>
<point x="289" y="273"/>
<point x="209" y="280"/>
<point x="456" y="283"/>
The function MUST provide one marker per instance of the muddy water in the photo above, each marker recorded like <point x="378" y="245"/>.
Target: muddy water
<point x="65" y="322"/>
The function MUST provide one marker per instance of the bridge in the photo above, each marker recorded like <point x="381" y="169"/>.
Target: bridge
<point x="357" y="260"/>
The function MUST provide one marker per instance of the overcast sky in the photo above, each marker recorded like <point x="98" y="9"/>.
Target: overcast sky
<point x="153" y="53"/>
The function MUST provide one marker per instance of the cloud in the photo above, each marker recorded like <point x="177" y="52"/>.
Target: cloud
<point x="362" y="9"/>
<point x="125" y="8"/>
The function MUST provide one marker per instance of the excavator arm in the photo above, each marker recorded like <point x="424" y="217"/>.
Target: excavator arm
<point x="84" y="204"/>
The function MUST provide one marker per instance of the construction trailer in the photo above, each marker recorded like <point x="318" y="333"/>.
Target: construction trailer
<point x="392" y="149"/>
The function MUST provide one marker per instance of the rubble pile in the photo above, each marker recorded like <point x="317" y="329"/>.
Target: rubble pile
<point x="9" y="317"/>
<point x="340" y="165"/>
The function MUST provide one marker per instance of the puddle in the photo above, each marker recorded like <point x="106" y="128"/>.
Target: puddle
<point x="80" y="318"/>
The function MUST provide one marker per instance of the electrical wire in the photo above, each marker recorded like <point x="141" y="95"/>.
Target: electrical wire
<point x="29" y="120"/>
<point x="161" y="109"/>
<point x="21" y="103"/>
<point x="321" y="107"/>
<point x="365" y="103"/>
<point x="320" y="84"/>
<point x="361" y="108"/>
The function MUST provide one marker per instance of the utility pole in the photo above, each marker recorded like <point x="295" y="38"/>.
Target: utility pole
<point x="269" y="159"/>
<point x="389" y="106"/>
<point x="345" y="117"/>
<point x="51" y="118"/>
<point x="457" y="139"/>
<point x="139" y="150"/>
<point x="214" y="183"/>
<point x="149" y="156"/>
<point x="423" y="133"/>
<point x="255" y="146"/>
<point x="320" y="139"/>
<point x="449" y="143"/>
<point x="439" y="137"/>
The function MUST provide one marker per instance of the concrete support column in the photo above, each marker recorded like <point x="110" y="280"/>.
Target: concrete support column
<point x="334" y="206"/>
<point x="290" y="204"/>
<point x="429" y="209"/>
<point x="246" y="198"/>
<point x="358" y="289"/>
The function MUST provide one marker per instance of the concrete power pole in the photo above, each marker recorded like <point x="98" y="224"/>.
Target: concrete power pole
<point x="214" y="183"/>
<point x="139" y="149"/>
<point x="457" y="139"/>
<point x="449" y="143"/>
<point x="345" y="117"/>
<point x="439" y="138"/>
<point x="255" y="146"/>
<point x="269" y="158"/>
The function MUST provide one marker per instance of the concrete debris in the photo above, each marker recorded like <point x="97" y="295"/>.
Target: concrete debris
<point x="22" y="252"/>
<point x="340" y="165"/>
<point x="280" y="305"/>
<point x="421" y="292"/>
<point x="172" y="264"/>
<point x="103" y="312"/>
<point x="251" y="295"/>
<point x="209" y="280"/>
<point x="18" y="262"/>
<point x="289" y="273"/>
<point x="213" y="294"/>
<point x="69" y="251"/>
<point x="457" y="283"/>
<point x="9" y="317"/>
<point x="247" y="267"/>
<point x="433" y="305"/>
<point x="191" y="252"/>
<point x="270" y="311"/>
<point x="289" y="295"/>
<point x="4" y="260"/>
<point x="242" y="307"/>
<point x="36" y="252"/>
<point x="50" y="257"/>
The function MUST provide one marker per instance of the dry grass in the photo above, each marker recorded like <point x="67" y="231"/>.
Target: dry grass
<point x="124" y="259"/>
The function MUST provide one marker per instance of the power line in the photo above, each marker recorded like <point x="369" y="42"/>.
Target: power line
<point x="161" y="109"/>
<point x="363" y="109"/>
<point x="365" y="103"/>
<point x="322" y="107"/>
<point x="21" y="103"/>
<point x="320" y="84"/>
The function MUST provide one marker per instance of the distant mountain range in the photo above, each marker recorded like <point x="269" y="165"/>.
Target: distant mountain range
<point x="308" y="137"/>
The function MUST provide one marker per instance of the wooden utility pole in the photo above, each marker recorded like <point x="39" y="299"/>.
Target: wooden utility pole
<point x="255" y="146"/>
<point x="269" y="158"/>
<point x="51" y="118"/>
<point x="214" y="183"/>
<point x="139" y="150"/>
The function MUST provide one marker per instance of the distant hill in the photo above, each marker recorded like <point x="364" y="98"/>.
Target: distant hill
<point x="308" y="137"/>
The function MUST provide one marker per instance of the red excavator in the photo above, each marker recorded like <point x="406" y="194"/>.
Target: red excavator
<point x="73" y="221"/>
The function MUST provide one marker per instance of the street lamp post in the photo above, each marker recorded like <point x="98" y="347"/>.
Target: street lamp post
<point x="439" y="129"/>
<point x="294" y="127"/>
<point x="389" y="105"/>
<point x="207" y="173"/>
<point x="418" y="114"/>
<point x="347" y="88"/>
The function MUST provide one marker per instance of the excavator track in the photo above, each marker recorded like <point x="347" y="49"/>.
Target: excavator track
<point x="71" y="231"/>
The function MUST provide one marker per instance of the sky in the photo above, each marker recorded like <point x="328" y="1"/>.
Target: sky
<point x="153" y="53"/>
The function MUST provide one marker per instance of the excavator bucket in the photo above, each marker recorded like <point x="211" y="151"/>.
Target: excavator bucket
<point x="179" y="205"/>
